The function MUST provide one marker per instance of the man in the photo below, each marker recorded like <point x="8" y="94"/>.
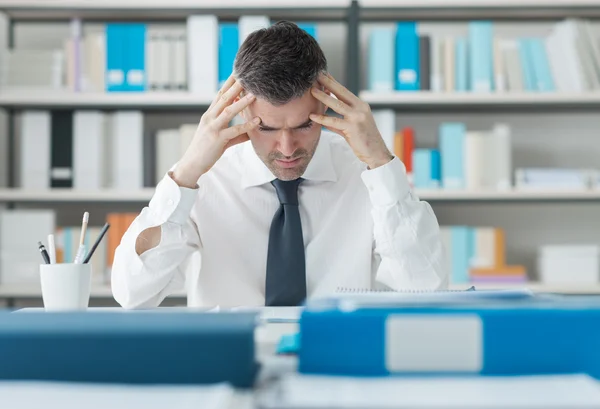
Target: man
<point x="275" y="210"/>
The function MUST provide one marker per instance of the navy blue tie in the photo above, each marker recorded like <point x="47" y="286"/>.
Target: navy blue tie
<point x="286" y="271"/>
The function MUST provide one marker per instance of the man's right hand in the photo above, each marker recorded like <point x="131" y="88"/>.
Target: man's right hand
<point x="213" y="135"/>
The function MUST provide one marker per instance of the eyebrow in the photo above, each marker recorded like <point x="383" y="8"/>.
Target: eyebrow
<point x="271" y="128"/>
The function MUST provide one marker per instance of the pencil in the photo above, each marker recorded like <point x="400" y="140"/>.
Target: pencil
<point x="98" y="240"/>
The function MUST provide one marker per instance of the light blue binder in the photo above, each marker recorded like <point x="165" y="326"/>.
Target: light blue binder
<point x="481" y="56"/>
<point x="452" y="142"/>
<point x="381" y="60"/>
<point x="529" y="79"/>
<point x="543" y="73"/>
<point x="533" y="336"/>
<point x="462" y="251"/>
<point x="461" y="70"/>
<point x="422" y="168"/>
<point x="310" y="28"/>
<point x="407" y="57"/>
<point x="436" y="170"/>
<point x="135" y="76"/>
<point x="228" y="48"/>
<point x="116" y="43"/>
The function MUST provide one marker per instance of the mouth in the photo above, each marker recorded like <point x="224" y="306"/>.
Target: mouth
<point x="285" y="163"/>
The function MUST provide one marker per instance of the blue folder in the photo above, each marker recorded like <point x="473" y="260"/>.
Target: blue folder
<point x="121" y="347"/>
<point x="528" y="337"/>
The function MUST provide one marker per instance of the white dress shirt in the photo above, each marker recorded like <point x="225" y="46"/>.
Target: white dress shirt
<point x="361" y="228"/>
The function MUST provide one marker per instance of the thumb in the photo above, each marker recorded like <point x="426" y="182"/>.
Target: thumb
<point x="238" y="139"/>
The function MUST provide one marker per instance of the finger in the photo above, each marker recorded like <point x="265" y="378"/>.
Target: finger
<point x="341" y="92"/>
<point x="329" y="121"/>
<point x="226" y="85"/>
<point x="226" y="99"/>
<point x="238" y="139"/>
<point x="229" y="112"/>
<point x="338" y="106"/>
<point x="237" y="130"/>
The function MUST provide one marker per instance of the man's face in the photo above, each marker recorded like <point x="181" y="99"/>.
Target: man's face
<point x="286" y="138"/>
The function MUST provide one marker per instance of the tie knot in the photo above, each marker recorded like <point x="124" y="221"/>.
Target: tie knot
<point x="287" y="190"/>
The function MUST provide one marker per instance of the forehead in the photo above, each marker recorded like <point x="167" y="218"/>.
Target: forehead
<point x="293" y="113"/>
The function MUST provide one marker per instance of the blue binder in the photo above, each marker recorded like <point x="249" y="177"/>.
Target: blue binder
<point x="452" y="142"/>
<point x="116" y="34"/>
<point x="407" y="57"/>
<point x="146" y="347"/>
<point x="228" y="48"/>
<point x="135" y="75"/>
<point x="518" y="338"/>
<point x="381" y="60"/>
<point x="481" y="56"/>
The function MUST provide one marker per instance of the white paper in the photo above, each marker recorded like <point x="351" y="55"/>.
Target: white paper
<point x="532" y="392"/>
<point x="67" y="395"/>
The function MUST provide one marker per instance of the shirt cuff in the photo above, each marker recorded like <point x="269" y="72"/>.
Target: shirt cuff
<point x="387" y="184"/>
<point x="171" y="202"/>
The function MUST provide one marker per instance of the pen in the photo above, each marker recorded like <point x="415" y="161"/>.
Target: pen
<point x="81" y="250"/>
<point x="98" y="240"/>
<point x="52" y="249"/>
<point x="43" y="252"/>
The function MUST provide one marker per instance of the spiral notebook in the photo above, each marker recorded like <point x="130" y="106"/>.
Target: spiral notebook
<point x="353" y="297"/>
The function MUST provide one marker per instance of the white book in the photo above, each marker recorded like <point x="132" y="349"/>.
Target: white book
<point x="500" y="156"/>
<point x="449" y="64"/>
<point x="203" y="54"/>
<point x="385" y="119"/>
<point x="558" y="67"/>
<point x="20" y="230"/>
<point x="499" y="67"/>
<point x="35" y="149"/>
<point x="568" y="45"/>
<point x="436" y="58"/>
<point x="163" y="60"/>
<point x="248" y="24"/>
<point x="485" y="249"/>
<point x="89" y="156"/>
<point x="168" y="151"/>
<point x="95" y="62"/>
<point x="186" y="133"/>
<point x="589" y="33"/>
<point x="586" y="53"/>
<point x="475" y="161"/>
<point x="512" y="65"/>
<point x="178" y="60"/>
<point x="127" y="137"/>
<point x="152" y="63"/>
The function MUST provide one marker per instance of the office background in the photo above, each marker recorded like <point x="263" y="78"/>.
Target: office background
<point x="553" y="129"/>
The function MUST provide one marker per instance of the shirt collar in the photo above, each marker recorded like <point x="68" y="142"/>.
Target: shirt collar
<point x="320" y="168"/>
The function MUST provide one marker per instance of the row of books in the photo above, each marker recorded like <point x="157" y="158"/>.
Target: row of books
<point x="91" y="150"/>
<point x="478" y="255"/>
<point x="21" y="229"/>
<point x="135" y="57"/>
<point x="402" y="59"/>
<point x="464" y="159"/>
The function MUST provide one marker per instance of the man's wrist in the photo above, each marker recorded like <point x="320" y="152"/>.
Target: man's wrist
<point x="184" y="178"/>
<point x="380" y="161"/>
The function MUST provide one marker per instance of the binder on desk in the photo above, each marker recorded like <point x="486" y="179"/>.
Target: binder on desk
<point x="143" y="348"/>
<point x="552" y="335"/>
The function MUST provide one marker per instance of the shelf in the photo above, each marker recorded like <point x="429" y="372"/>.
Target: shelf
<point x="469" y="9"/>
<point x="531" y="195"/>
<point x="25" y="98"/>
<point x="75" y="196"/>
<point x="172" y="9"/>
<point x="144" y="195"/>
<point x="590" y="289"/>
<point x="426" y="100"/>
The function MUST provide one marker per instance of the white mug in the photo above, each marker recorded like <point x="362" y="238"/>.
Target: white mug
<point x="66" y="286"/>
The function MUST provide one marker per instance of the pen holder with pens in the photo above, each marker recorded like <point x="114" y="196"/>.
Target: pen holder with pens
<point x="66" y="286"/>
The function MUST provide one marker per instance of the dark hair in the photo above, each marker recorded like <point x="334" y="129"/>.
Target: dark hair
<point x="279" y="63"/>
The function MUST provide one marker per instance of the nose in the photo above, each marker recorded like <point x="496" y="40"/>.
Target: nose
<point x="286" y="143"/>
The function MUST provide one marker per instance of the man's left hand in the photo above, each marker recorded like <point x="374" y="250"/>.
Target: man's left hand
<point x="357" y="125"/>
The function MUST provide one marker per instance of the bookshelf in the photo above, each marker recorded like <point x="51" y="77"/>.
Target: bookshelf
<point x="352" y="15"/>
